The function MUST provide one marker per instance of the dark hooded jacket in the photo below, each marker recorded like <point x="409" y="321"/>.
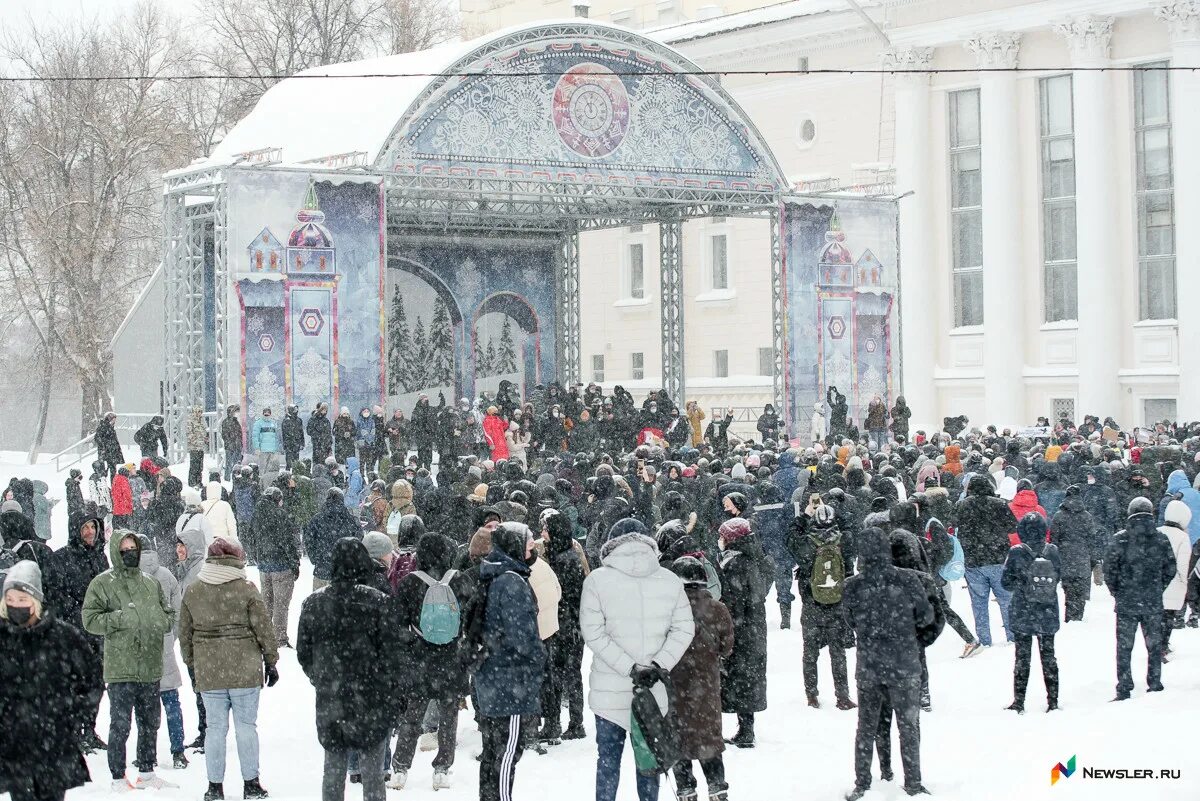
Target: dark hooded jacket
<point x="75" y="565"/>
<point x="1139" y="565"/>
<point x="983" y="521"/>
<point x="696" y="678"/>
<point x="908" y="556"/>
<point x="334" y="522"/>
<point x="348" y="646"/>
<point x="293" y="432"/>
<point x="1074" y="532"/>
<point x="274" y="538"/>
<point x="1026" y="615"/>
<point x="569" y="565"/>
<point x="747" y="574"/>
<point x="320" y="432"/>
<point x="803" y="546"/>
<point x="17" y="534"/>
<point x="150" y="436"/>
<point x="885" y="606"/>
<point x="1050" y="490"/>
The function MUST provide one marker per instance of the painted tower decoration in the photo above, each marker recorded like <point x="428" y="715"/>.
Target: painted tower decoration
<point x="853" y="331"/>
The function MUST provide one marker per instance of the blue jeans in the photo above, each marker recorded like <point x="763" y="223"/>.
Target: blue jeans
<point x="785" y="570"/>
<point x="878" y="438"/>
<point x="233" y="460"/>
<point x="217" y="706"/>
<point x="981" y="580"/>
<point x="610" y="743"/>
<point x="170" y="702"/>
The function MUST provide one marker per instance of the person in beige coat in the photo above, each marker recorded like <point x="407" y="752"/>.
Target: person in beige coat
<point x="548" y="592"/>
<point x="219" y="513"/>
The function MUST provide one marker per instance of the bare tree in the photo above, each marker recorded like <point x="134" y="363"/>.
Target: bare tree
<point x="80" y="166"/>
<point x="410" y="25"/>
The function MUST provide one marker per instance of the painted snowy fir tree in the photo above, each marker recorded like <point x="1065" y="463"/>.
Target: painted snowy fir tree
<point x="506" y="354"/>
<point x="399" y="348"/>
<point x="418" y="373"/>
<point x="483" y="366"/>
<point x="441" y="346"/>
<point x="490" y="356"/>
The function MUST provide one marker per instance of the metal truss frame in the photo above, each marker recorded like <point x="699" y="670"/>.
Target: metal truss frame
<point x="778" y="319"/>
<point x="570" y="352"/>
<point x="670" y="257"/>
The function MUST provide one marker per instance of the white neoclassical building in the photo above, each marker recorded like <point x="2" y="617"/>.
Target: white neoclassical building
<point x="1045" y="154"/>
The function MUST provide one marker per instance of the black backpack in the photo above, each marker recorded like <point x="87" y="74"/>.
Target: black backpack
<point x="1043" y="578"/>
<point x="7" y="559"/>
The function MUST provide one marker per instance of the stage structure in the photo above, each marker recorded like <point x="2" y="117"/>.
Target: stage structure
<point x="361" y="241"/>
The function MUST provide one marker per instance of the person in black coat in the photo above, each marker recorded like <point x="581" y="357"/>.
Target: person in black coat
<point x="1031" y="574"/>
<point x="823" y="624"/>
<point x="108" y="447"/>
<point x="1137" y="569"/>
<point x="159" y="523"/>
<point x="837" y="414"/>
<point x="422" y="429"/>
<point x="75" y="565"/>
<point x="431" y="672"/>
<point x="1074" y="532"/>
<point x="886" y="607"/>
<point x="570" y="566"/>
<point x="348" y="645"/>
<point x="150" y="436"/>
<point x="331" y="524"/>
<point x="49" y="689"/>
<point x="1101" y="502"/>
<point x="293" y="436"/>
<point x="320" y="433"/>
<point x="74" y="492"/>
<point x="747" y="575"/>
<point x="984" y="522"/>
<point x="901" y="414"/>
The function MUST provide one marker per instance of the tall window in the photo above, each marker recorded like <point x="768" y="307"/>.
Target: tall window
<point x="766" y="361"/>
<point x="719" y="254"/>
<point x="1059" y="267"/>
<point x="598" y="368"/>
<point x="966" y="207"/>
<point x="1154" y="195"/>
<point x="637" y="366"/>
<point x="637" y="272"/>
<point x="720" y="364"/>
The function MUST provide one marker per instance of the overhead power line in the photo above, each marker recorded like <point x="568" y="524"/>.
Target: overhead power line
<point x="625" y="74"/>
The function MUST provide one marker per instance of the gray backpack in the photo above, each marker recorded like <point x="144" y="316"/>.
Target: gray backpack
<point x="441" y="618"/>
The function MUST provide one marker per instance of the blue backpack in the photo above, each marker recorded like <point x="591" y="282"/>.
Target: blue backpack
<point x="441" y="618"/>
<point x="956" y="568"/>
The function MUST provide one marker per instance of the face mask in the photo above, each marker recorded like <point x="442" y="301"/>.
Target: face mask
<point x="130" y="558"/>
<point x="19" y="615"/>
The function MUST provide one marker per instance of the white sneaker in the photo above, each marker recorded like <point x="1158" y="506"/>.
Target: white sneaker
<point x="123" y="786"/>
<point x="427" y="741"/>
<point x="399" y="777"/>
<point x="441" y="780"/>
<point x="153" y="782"/>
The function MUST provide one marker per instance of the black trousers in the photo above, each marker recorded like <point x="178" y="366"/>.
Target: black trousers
<point x="35" y="793"/>
<point x="714" y="774"/>
<point x="1172" y="619"/>
<point x="565" y="676"/>
<point x="195" y="469"/>
<point x="831" y="637"/>
<point x="1024" y="648"/>
<point x="1151" y="624"/>
<point x="139" y="699"/>
<point x="410" y="731"/>
<point x="874" y="700"/>
<point x="1076" y="592"/>
<point x="290" y="458"/>
<point x="501" y="752"/>
<point x="425" y="454"/>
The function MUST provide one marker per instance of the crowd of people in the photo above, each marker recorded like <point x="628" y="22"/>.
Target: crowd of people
<point x="572" y="520"/>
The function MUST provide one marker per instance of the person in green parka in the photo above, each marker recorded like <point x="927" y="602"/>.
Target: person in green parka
<point x="306" y="495"/>
<point x="129" y="610"/>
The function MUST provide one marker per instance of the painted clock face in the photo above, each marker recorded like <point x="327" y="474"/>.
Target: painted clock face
<point x="591" y="110"/>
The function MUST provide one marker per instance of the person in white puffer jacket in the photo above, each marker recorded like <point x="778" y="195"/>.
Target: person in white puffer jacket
<point x="219" y="513"/>
<point x="636" y="619"/>
<point x="1175" y="525"/>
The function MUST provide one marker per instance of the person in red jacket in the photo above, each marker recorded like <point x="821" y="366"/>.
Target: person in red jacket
<point x="1025" y="501"/>
<point x="122" y="499"/>
<point x="493" y="431"/>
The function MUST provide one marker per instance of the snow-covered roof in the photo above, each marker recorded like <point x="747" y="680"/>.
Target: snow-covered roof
<point x="779" y="12"/>
<point x="316" y="114"/>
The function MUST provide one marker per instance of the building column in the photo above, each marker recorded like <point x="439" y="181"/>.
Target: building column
<point x="1003" y="298"/>
<point x="1099" y="350"/>
<point x="1183" y="17"/>
<point x="914" y="174"/>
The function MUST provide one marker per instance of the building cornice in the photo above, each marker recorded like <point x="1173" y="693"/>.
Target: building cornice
<point x="1027" y="17"/>
<point x="1183" y="18"/>
<point x="998" y="50"/>
<point x="1088" y="38"/>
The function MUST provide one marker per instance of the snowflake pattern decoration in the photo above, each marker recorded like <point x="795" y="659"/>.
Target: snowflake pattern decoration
<point x="311" y="382"/>
<point x="265" y="392"/>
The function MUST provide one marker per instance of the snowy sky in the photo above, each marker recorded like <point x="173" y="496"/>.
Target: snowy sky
<point x="16" y="11"/>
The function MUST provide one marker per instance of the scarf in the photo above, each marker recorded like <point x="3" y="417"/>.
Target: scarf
<point x="221" y="571"/>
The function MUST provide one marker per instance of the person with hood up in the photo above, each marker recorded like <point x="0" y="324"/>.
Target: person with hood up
<point x="984" y="522"/>
<point x="344" y="433"/>
<point x="547" y="593"/>
<point x="41" y="510"/>
<point x="74" y="491"/>
<point x="191" y="549"/>
<point x="695" y="416"/>
<point x="1031" y="574"/>
<point x="197" y="444"/>
<point x="771" y="522"/>
<point x="150" y="437"/>
<point x="1138" y="568"/>
<point x="885" y="607"/>
<point x="234" y="440"/>
<point x="768" y="424"/>
<point x="219" y="513"/>
<point x="818" y="424"/>
<point x="901" y="414"/>
<point x="333" y="523"/>
<point x="354" y="485"/>
<point x="940" y="547"/>
<point x="1178" y="516"/>
<point x="278" y="560"/>
<point x="953" y="454"/>
<point x="293" y="436"/>
<point x="228" y="645"/>
<point x="348" y="646"/>
<point x="365" y="437"/>
<point x="1074" y="533"/>
<point x="108" y="447"/>
<point x="1051" y="489"/>
<point x="75" y="565"/>
<point x="876" y="423"/>
<point x="49" y="689"/>
<point x="636" y="619"/>
<point x="433" y="672"/>
<point x="122" y="500"/>
<point x="494" y="429"/>
<point x="130" y="611"/>
<point x="320" y="433"/>
<point x="100" y="488"/>
<point x="569" y="564"/>
<point x="509" y="680"/>
<point x="746" y="575"/>
<point x="696" y="683"/>
<point x="1023" y="503"/>
<point x="838" y="409"/>
<point x="1179" y="488"/>
<point x="822" y="620"/>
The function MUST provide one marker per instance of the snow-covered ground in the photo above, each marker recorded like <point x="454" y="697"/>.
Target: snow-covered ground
<point x="972" y="749"/>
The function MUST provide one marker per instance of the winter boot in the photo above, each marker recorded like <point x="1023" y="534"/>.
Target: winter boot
<point x="885" y="773"/>
<point x="845" y="704"/>
<point x="216" y="792"/>
<point x="785" y="616"/>
<point x="686" y="795"/>
<point x="441" y="780"/>
<point x="179" y="760"/>
<point x="813" y="702"/>
<point x="719" y="795"/>
<point x="1016" y="706"/>
<point x="252" y="789"/>
<point x="745" y="733"/>
<point x="916" y="789"/>
<point x="399" y="777"/>
<point x="93" y="743"/>
<point x="356" y="778"/>
<point x="198" y="744"/>
<point x="926" y="701"/>
<point x="856" y="793"/>
<point x="574" y="732"/>
<point x="1052" y="705"/>
<point x="551" y="733"/>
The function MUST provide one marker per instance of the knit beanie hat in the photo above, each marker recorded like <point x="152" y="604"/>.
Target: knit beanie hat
<point x="481" y="544"/>
<point x="627" y="525"/>
<point x="378" y="545"/>
<point x="735" y="529"/>
<point x="10" y="506"/>
<point x="25" y="576"/>
<point x="223" y="547"/>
